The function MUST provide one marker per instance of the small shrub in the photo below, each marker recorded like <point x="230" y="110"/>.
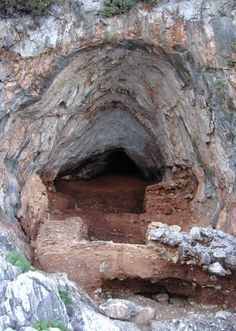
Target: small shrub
<point x="115" y="7"/>
<point x="38" y="7"/>
<point x="222" y="11"/>
<point x="233" y="47"/>
<point x="221" y="85"/>
<point x="44" y="325"/>
<point x="19" y="260"/>
<point x="1" y="210"/>
<point x="232" y="62"/>
<point x="65" y="297"/>
<point x="152" y="2"/>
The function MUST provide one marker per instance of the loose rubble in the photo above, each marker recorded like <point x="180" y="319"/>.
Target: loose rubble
<point x="212" y="249"/>
<point x="26" y="298"/>
<point x="197" y="323"/>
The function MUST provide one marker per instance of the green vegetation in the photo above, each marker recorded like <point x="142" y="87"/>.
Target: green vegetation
<point x="233" y="47"/>
<point x="230" y="136"/>
<point x="65" y="297"/>
<point x="116" y="7"/>
<point x="222" y="11"/>
<point x="221" y="85"/>
<point x="232" y="62"/>
<point x="19" y="260"/>
<point x="44" y="325"/>
<point x="38" y="7"/>
<point x="1" y="210"/>
<point x="152" y="2"/>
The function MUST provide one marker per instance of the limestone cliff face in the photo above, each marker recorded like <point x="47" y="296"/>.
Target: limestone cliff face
<point x="157" y="82"/>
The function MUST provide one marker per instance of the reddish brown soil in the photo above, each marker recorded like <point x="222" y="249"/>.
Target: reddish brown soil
<point x="106" y="194"/>
<point x="119" y="207"/>
<point x="111" y="206"/>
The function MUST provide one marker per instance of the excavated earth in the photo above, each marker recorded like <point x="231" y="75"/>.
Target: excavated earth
<point x="118" y="156"/>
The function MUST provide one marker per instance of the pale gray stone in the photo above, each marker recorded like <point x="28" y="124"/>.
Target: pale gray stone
<point x="155" y="234"/>
<point x="195" y="322"/>
<point x="161" y="297"/>
<point x="205" y="258"/>
<point x="195" y="233"/>
<point x="119" y="309"/>
<point x="217" y="269"/>
<point x="145" y="315"/>
<point x="7" y="271"/>
<point x="219" y="254"/>
<point x="224" y="314"/>
<point x="231" y="261"/>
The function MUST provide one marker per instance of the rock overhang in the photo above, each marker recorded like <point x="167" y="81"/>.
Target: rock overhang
<point x="112" y="99"/>
<point x="159" y="65"/>
<point x="152" y="83"/>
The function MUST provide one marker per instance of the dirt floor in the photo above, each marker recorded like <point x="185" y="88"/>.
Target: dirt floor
<point x="111" y="193"/>
<point x="111" y="205"/>
<point x="116" y="210"/>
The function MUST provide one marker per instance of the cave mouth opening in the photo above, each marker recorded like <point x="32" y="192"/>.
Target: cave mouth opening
<point x="108" y="183"/>
<point x="118" y="163"/>
<point x="148" y="288"/>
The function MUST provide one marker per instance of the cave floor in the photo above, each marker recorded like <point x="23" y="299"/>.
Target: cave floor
<point x="111" y="205"/>
<point x="110" y="193"/>
<point x="116" y="207"/>
<point x="96" y="233"/>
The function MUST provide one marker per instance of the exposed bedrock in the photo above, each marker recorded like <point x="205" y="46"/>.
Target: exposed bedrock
<point x="199" y="265"/>
<point x="155" y="84"/>
<point x="117" y="161"/>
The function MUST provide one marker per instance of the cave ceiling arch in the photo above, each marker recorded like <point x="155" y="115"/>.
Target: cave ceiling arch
<point x="158" y="70"/>
<point x="125" y="96"/>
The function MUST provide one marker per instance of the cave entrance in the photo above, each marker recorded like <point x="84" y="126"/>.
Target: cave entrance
<point x="107" y="191"/>
<point x="173" y="287"/>
<point x="108" y="183"/>
<point x="119" y="163"/>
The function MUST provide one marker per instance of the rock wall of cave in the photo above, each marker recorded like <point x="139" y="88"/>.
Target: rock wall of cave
<point x="155" y="82"/>
<point x="117" y="165"/>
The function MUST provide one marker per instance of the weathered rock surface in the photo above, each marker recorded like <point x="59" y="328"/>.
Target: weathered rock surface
<point x="31" y="297"/>
<point x="34" y="205"/>
<point x="12" y="239"/>
<point x="154" y="82"/>
<point x="91" y="263"/>
<point x="128" y="311"/>
<point x="210" y="248"/>
<point x="197" y="323"/>
<point x="31" y="290"/>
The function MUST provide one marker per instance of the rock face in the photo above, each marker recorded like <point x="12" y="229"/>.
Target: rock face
<point x="198" y="323"/>
<point x="126" y="310"/>
<point x="26" y="298"/>
<point x="199" y="265"/>
<point x="12" y="239"/>
<point x="34" y="205"/>
<point x="155" y="83"/>
<point x="213" y="249"/>
<point x="155" y="86"/>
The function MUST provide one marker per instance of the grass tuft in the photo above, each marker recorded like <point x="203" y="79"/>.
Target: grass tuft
<point x="20" y="261"/>
<point x="65" y="297"/>
<point x="44" y="325"/>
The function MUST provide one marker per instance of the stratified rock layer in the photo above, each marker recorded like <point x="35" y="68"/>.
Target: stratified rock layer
<point x="174" y="260"/>
<point x="156" y="83"/>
